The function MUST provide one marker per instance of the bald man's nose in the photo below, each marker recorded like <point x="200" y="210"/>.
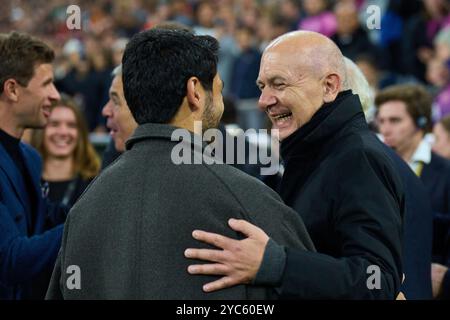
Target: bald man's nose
<point x="266" y="99"/>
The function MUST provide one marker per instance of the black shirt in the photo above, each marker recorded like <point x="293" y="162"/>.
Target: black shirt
<point x="12" y="146"/>
<point x="66" y="192"/>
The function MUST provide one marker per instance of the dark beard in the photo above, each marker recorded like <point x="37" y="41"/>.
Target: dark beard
<point x="208" y="120"/>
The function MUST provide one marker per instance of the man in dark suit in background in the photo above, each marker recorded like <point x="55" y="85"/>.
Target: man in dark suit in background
<point x="404" y="117"/>
<point x="418" y="221"/>
<point x="28" y="249"/>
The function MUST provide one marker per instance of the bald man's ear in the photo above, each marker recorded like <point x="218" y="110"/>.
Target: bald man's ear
<point x="193" y="93"/>
<point x="331" y="87"/>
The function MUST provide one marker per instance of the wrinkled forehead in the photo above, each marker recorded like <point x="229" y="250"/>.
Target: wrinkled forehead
<point x="280" y="62"/>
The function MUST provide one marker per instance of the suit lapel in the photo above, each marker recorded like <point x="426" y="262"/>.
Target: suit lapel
<point x="14" y="176"/>
<point x="34" y="170"/>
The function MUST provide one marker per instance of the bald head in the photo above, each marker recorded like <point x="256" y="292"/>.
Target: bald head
<point x="312" y="50"/>
<point x="299" y="73"/>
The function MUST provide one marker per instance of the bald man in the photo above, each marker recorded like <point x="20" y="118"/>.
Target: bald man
<point x="337" y="177"/>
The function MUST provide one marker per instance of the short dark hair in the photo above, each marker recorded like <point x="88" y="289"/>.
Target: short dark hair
<point x="416" y="98"/>
<point x="156" y="66"/>
<point x="20" y="53"/>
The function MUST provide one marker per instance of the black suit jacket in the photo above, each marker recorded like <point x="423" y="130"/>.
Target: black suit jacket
<point x="340" y="180"/>
<point x="436" y="179"/>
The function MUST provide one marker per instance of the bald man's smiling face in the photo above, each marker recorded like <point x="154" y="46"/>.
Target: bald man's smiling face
<point x="291" y="92"/>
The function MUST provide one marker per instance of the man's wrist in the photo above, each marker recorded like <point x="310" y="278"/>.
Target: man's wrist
<point x="445" y="288"/>
<point x="272" y="265"/>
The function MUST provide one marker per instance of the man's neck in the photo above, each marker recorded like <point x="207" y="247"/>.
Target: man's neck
<point x="9" y="125"/>
<point x="58" y="169"/>
<point x="409" y="150"/>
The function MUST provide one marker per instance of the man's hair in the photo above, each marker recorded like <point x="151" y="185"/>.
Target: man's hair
<point x="357" y="82"/>
<point x="117" y="71"/>
<point x="156" y="66"/>
<point x="20" y="53"/>
<point x="416" y="98"/>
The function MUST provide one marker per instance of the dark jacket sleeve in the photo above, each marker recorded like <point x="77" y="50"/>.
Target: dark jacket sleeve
<point x="21" y="257"/>
<point x="55" y="291"/>
<point x="367" y="201"/>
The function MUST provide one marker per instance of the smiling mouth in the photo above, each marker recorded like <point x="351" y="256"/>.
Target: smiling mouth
<point x="46" y="111"/>
<point x="283" y="116"/>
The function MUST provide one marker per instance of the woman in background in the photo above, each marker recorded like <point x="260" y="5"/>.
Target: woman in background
<point x="441" y="133"/>
<point x="70" y="162"/>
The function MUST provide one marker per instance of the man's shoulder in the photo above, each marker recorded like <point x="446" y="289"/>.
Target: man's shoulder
<point x="30" y="152"/>
<point x="239" y="182"/>
<point x="439" y="163"/>
<point x="363" y="145"/>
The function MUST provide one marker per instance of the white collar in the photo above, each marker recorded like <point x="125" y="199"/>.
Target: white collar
<point x="422" y="153"/>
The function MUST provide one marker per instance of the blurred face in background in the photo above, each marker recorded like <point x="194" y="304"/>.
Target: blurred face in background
<point x="369" y="71"/>
<point x="120" y="122"/>
<point x="441" y="144"/>
<point x="396" y="125"/>
<point x="347" y="18"/>
<point x="244" y="39"/>
<point x="205" y="15"/>
<point x="61" y="133"/>
<point x="437" y="73"/>
<point x="313" y="7"/>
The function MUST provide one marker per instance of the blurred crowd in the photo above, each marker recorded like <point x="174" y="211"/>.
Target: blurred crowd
<point x="407" y="42"/>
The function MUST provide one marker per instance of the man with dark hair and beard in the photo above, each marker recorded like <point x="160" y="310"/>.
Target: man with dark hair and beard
<point x="128" y="232"/>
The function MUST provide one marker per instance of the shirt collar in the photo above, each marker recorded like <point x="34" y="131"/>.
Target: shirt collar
<point x="422" y="153"/>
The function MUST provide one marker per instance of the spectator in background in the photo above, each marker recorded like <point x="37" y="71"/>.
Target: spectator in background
<point x="442" y="45"/>
<point x="222" y="30"/>
<point x="243" y="88"/>
<point x="118" y="49"/>
<point x="69" y="160"/>
<point x="441" y="131"/>
<point x="318" y="18"/>
<point x="88" y="80"/>
<point x="438" y="76"/>
<point x="350" y="36"/>
<point x="246" y="67"/>
<point x="418" y="33"/>
<point x="404" y="117"/>
<point x="289" y="12"/>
